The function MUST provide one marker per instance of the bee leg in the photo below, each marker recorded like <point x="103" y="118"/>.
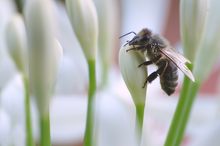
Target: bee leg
<point x="136" y="48"/>
<point x="155" y="74"/>
<point x="131" y="49"/>
<point x="145" y="63"/>
<point x="150" y="62"/>
<point x="152" y="77"/>
<point x="145" y="83"/>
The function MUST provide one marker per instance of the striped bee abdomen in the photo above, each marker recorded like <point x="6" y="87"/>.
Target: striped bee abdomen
<point x="169" y="77"/>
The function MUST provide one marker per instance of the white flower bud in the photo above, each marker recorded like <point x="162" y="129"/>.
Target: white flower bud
<point x="193" y="15"/>
<point x="209" y="48"/>
<point x="107" y="16"/>
<point x="17" y="43"/>
<point x="133" y="75"/>
<point x="108" y="33"/>
<point x="44" y="51"/>
<point x="83" y="17"/>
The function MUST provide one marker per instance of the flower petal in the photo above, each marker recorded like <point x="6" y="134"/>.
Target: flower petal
<point x="82" y="14"/>
<point x="43" y="51"/>
<point x="16" y="40"/>
<point x="193" y="16"/>
<point x="209" y="48"/>
<point x="133" y="75"/>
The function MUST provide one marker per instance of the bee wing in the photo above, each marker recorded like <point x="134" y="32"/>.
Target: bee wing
<point x="172" y="53"/>
<point x="179" y="61"/>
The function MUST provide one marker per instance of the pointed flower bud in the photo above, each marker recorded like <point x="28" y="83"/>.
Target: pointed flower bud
<point x="193" y="15"/>
<point x="107" y="16"/>
<point x="44" y="51"/>
<point x="83" y="17"/>
<point x="108" y="24"/>
<point x="17" y="43"/>
<point x="133" y="75"/>
<point x="209" y="48"/>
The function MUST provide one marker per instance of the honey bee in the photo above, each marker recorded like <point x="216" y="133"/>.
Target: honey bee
<point x="159" y="52"/>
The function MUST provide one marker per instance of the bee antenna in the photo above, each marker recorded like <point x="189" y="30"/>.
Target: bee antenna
<point x="127" y="34"/>
<point x="126" y="43"/>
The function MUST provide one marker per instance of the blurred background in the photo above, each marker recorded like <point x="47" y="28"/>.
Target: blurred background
<point x="115" y="112"/>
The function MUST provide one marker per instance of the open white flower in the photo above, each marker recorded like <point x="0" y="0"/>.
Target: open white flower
<point x="133" y="75"/>
<point x="44" y="51"/>
<point x="83" y="17"/>
<point x="193" y="16"/>
<point x="17" y="43"/>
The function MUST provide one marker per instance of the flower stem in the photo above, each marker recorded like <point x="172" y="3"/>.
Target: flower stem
<point x="140" y="119"/>
<point x="29" y="135"/>
<point x="19" y="4"/>
<point x="45" y="130"/>
<point x="182" y="113"/>
<point x="90" y="109"/>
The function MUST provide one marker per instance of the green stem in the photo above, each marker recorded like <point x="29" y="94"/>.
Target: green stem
<point x="29" y="135"/>
<point x="90" y="109"/>
<point x="182" y="113"/>
<point x="19" y="5"/>
<point x="140" y="119"/>
<point x="45" y="130"/>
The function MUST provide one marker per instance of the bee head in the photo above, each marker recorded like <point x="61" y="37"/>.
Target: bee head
<point x="142" y="38"/>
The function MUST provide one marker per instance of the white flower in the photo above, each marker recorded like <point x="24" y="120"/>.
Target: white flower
<point x="44" y="51"/>
<point x="209" y="48"/>
<point x="108" y="33"/>
<point x="83" y="17"/>
<point x="193" y="16"/>
<point x="5" y="125"/>
<point x="133" y="75"/>
<point x="7" y="67"/>
<point x="200" y="21"/>
<point x="17" y="43"/>
<point x="107" y="16"/>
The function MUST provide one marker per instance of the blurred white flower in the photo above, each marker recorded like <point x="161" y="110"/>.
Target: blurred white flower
<point x="115" y="118"/>
<point x="44" y="51"/>
<point x="108" y="18"/>
<point x="193" y="17"/>
<point x="5" y="126"/>
<point x="72" y="74"/>
<point x="83" y="17"/>
<point x="209" y="47"/>
<point x="7" y="68"/>
<point x="17" y="43"/>
<point x="133" y="75"/>
<point x="200" y="21"/>
<point x="13" y="99"/>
